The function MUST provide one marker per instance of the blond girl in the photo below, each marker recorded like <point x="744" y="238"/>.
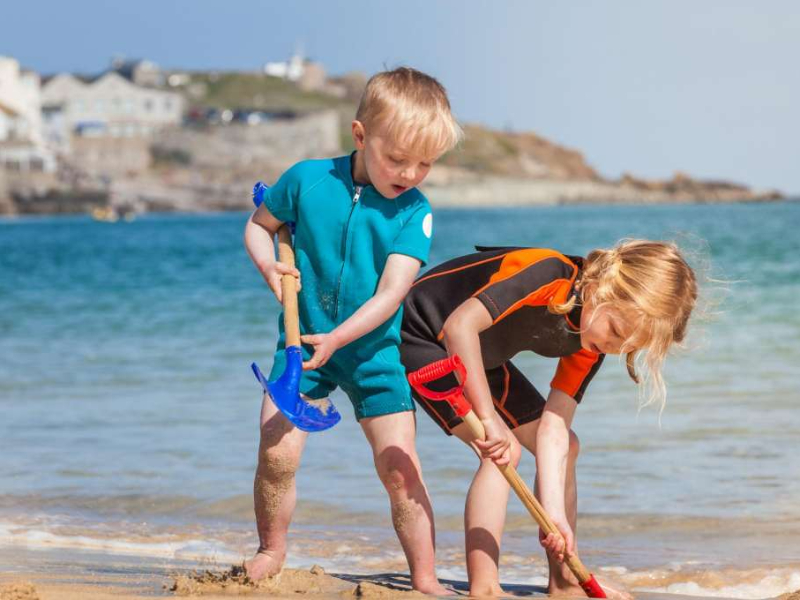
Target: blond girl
<point x="634" y="299"/>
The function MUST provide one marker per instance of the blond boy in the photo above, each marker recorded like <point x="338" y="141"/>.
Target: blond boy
<point x="363" y="231"/>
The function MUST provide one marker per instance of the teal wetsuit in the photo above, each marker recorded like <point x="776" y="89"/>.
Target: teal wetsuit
<point x="344" y="233"/>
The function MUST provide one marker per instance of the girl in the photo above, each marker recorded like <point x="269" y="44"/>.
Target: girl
<point x="486" y="307"/>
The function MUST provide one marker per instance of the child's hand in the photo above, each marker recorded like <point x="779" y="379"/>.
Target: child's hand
<point x="562" y="545"/>
<point x="325" y="344"/>
<point x="273" y="272"/>
<point x="497" y="443"/>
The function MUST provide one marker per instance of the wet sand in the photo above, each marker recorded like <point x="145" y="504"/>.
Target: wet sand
<point x="115" y="582"/>
<point x="76" y="565"/>
<point x="208" y="584"/>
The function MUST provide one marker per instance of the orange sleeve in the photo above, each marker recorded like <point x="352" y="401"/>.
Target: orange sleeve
<point x="574" y="372"/>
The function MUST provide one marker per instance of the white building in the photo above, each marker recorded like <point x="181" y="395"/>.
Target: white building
<point x="108" y="106"/>
<point x="21" y="138"/>
<point x="292" y="70"/>
<point x="20" y="102"/>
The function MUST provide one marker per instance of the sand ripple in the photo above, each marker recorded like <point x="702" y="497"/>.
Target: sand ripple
<point x="18" y="590"/>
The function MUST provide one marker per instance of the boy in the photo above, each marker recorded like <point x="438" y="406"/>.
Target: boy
<point x="363" y="231"/>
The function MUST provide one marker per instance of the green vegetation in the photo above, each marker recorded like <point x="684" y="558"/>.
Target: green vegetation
<point x="255" y="91"/>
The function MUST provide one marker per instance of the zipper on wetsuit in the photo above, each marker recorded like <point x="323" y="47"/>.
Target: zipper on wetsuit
<point x="356" y="196"/>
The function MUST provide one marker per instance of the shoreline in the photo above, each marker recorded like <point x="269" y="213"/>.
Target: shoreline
<point x="444" y="201"/>
<point x="176" y="190"/>
<point x="132" y="559"/>
<point x="57" y="575"/>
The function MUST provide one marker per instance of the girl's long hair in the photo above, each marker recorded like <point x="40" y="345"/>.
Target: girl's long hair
<point x="652" y="284"/>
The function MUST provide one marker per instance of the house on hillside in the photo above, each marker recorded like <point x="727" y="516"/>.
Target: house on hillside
<point x="291" y="69"/>
<point x="110" y="104"/>
<point x="145" y="73"/>
<point x="309" y="76"/>
<point x="104" y="123"/>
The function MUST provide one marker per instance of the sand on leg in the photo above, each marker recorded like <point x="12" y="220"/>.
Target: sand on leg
<point x="396" y="461"/>
<point x="274" y="492"/>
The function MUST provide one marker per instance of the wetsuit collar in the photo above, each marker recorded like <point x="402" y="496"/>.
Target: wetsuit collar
<point x="345" y="167"/>
<point x="574" y="316"/>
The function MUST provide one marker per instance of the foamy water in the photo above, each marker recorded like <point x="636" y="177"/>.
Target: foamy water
<point x="130" y="415"/>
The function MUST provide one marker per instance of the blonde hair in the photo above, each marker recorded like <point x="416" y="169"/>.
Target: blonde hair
<point x="651" y="282"/>
<point x="411" y="109"/>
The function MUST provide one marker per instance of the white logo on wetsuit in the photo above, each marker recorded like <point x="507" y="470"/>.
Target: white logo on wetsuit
<point x="427" y="225"/>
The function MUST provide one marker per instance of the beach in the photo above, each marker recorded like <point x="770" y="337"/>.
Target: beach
<point x="130" y="419"/>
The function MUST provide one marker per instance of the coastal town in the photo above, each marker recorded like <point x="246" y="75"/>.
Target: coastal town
<point x="137" y="138"/>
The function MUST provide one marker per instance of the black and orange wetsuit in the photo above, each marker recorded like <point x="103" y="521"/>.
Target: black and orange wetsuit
<point x="516" y="285"/>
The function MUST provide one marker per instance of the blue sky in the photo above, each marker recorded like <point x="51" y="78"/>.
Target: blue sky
<point x="706" y="87"/>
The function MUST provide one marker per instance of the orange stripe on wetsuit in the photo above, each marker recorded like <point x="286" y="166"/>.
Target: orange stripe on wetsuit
<point x="500" y="404"/>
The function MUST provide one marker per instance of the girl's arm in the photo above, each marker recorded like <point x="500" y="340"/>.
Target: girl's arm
<point x="462" y="336"/>
<point x="397" y="278"/>
<point x="552" y="448"/>
<point x="259" y="233"/>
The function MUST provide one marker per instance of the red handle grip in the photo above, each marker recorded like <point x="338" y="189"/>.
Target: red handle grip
<point x="455" y="395"/>
<point x="437" y="370"/>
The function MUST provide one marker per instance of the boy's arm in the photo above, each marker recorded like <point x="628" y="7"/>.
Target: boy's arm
<point x="552" y="449"/>
<point x="396" y="280"/>
<point x="259" y="233"/>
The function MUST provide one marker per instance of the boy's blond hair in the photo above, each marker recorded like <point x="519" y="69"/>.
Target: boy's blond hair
<point x="411" y="109"/>
<point x="651" y="283"/>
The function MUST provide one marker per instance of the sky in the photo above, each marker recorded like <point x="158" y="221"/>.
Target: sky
<point x="710" y="88"/>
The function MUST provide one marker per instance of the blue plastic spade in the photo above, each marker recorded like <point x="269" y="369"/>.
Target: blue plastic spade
<point x="285" y="396"/>
<point x="285" y="390"/>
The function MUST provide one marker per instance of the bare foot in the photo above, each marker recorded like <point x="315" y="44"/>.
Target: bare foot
<point x="265" y="563"/>
<point x="434" y="588"/>
<point x="487" y="591"/>
<point x="567" y="591"/>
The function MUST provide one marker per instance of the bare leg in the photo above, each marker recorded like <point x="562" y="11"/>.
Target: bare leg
<point x="274" y="491"/>
<point x="396" y="461"/>
<point x="561" y="580"/>
<point x="484" y="519"/>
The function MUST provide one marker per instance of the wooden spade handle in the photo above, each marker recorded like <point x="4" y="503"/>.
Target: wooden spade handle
<point x="528" y="499"/>
<point x="291" y="319"/>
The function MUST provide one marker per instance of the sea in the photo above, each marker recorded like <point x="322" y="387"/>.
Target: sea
<point x="129" y="414"/>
